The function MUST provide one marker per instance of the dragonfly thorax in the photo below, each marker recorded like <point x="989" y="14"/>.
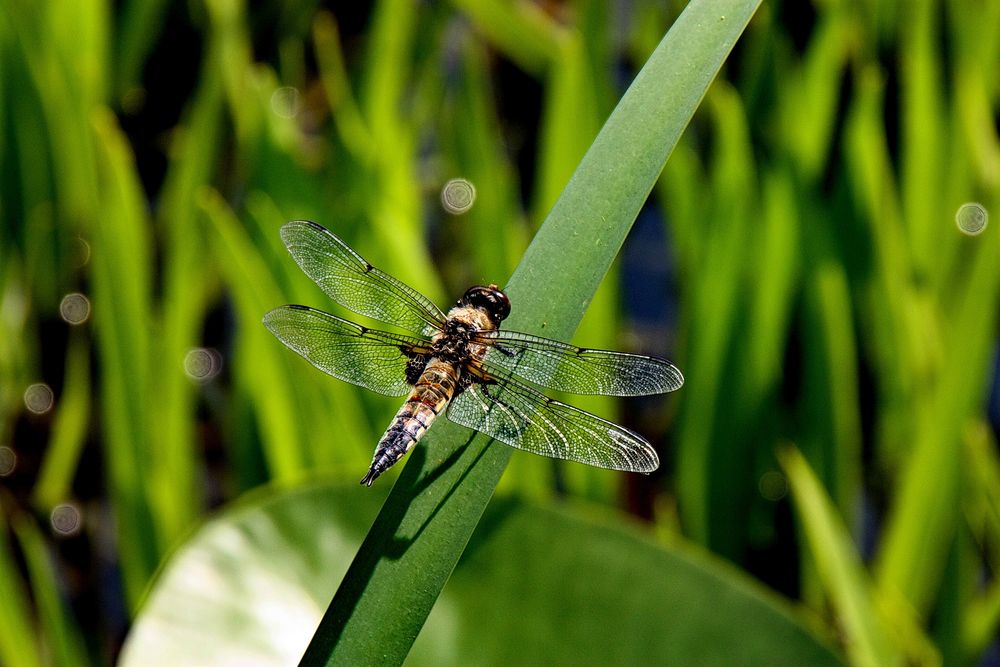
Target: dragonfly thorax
<point x="456" y="340"/>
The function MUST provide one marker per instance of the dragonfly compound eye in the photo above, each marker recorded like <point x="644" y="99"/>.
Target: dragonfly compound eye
<point x="490" y="299"/>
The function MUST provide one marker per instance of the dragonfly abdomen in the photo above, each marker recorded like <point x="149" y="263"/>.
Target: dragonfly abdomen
<point x="428" y="399"/>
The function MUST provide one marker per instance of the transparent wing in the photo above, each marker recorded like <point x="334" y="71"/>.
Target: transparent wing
<point x="354" y="283"/>
<point x="369" y="358"/>
<point x="526" y="419"/>
<point x="579" y="370"/>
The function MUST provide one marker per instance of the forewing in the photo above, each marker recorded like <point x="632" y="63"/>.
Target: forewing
<point x="524" y="418"/>
<point x="354" y="283"/>
<point x="372" y="359"/>
<point x="579" y="370"/>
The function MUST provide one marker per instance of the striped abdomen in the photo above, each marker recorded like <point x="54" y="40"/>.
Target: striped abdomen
<point x="428" y="399"/>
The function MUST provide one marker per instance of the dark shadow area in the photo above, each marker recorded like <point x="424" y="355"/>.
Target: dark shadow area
<point x="382" y="542"/>
<point x="398" y="546"/>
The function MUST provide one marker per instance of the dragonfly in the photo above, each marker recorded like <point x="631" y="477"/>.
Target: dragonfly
<point x="460" y="364"/>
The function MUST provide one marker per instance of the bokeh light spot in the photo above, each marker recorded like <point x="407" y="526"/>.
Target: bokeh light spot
<point x="202" y="363"/>
<point x="286" y="102"/>
<point x="458" y="195"/>
<point x="75" y="308"/>
<point x="38" y="398"/>
<point x="972" y="218"/>
<point x="772" y="485"/>
<point x="81" y="252"/>
<point x="8" y="460"/>
<point x="66" y="519"/>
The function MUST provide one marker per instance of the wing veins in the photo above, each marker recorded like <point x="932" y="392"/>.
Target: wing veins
<point x="346" y="277"/>
<point x="526" y="419"/>
<point x="556" y="365"/>
<point x="371" y="358"/>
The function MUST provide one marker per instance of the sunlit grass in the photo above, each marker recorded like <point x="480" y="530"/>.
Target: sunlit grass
<point x="828" y="300"/>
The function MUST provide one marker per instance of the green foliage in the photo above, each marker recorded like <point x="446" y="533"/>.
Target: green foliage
<point x="606" y="594"/>
<point x="829" y="311"/>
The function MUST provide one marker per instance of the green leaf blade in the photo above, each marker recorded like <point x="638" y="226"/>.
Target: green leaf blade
<point x="425" y="524"/>
<point x="608" y="595"/>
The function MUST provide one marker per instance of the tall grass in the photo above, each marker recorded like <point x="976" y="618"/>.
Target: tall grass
<point x="830" y="309"/>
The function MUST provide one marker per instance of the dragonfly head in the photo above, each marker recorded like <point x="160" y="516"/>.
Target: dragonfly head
<point x="490" y="299"/>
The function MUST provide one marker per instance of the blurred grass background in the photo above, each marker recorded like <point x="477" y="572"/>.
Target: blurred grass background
<point x="799" y="260"/>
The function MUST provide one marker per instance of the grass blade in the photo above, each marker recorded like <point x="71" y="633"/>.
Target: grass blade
<point x="425" y="524"/>
<point x="55" y="479"/>
<point x="17" y="641"/>
<point x="121" y="298"/>
<point x="840" y="568"/>
<point x="60" y="634"/>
